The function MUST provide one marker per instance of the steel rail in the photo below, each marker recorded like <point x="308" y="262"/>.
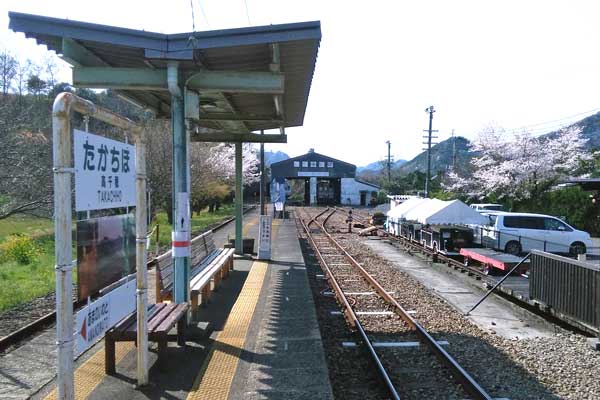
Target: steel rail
<point x="348" y="311"/>
<point x="461" y="375"/>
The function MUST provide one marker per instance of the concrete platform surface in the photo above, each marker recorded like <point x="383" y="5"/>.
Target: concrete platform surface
<point x="258" y="338"/>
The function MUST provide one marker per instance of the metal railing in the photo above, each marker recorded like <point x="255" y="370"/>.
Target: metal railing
<point x="567" y="286"/>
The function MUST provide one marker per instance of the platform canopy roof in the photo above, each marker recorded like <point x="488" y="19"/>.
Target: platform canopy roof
<point x="248" y="79"/>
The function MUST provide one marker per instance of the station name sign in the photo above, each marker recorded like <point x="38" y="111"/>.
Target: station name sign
<point x="104" y="172"/>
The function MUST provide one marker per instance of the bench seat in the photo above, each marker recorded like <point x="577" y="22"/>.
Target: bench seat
<point x="215" y="270"/>
<point x="162" y="318"/>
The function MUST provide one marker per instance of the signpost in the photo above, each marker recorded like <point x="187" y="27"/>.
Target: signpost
<point x="97" y="157"/>
<point x="264" y="237"/>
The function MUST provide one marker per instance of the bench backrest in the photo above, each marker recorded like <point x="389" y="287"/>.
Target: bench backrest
<point x="201" y="246"/>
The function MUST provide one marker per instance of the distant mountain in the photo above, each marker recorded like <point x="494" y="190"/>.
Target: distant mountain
<point x="441" y="156"/>
<point x="274" y="156"/>
<point x="590" y="129"/>
<point x="378" y="166"/>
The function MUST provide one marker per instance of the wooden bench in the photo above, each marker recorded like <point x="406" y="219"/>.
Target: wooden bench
<point x="208" y="264"/>
<point x="162" y="318"/>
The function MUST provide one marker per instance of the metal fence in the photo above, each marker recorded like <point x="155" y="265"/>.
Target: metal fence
<point x="569" y="287"/>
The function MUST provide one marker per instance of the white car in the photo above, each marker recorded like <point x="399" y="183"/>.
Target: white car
<point x="518" y="233"/>
<point x="484" y="207"/>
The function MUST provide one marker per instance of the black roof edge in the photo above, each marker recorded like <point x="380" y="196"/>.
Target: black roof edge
<point x="29" y="23"/>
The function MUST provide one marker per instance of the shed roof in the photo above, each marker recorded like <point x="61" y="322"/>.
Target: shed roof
<point x="242" y="50"/>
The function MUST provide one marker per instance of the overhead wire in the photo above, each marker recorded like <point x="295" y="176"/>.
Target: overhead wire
<point x="203" y="14"/>
<point x="193" y="22"/>
<point x="247" y="12"/>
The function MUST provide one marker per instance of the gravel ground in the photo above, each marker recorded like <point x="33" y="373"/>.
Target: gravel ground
<point x="563" y="366"/>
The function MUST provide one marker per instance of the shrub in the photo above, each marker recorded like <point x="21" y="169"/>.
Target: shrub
<point x="19" y="248"/>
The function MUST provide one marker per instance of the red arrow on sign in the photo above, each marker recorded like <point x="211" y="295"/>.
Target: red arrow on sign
<point x="83" y="331"/>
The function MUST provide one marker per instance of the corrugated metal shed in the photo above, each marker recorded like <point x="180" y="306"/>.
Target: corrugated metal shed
<point x="245" y="49"/>
<point x="301" y="167"/>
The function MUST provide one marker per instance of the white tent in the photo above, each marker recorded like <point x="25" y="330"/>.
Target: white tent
<point x="396" y="214"/>
<point x="437" y="212"/>
<point x="401" y="209"/>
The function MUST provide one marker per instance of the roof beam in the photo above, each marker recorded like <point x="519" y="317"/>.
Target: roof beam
<point x="237" y="82"/>
<point x="237" y="137"/>
<point x="77" y="55"/>
<point x="239" y="117"/>
<point x="120" y="78"/>
<point x="156" y="79"/>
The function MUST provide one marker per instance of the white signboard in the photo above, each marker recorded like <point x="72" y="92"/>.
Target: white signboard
<point x="104" y="172"/>
<point x="312" y="173"/>
<point x="264" y="237"/>
<point x="92" y="321"/>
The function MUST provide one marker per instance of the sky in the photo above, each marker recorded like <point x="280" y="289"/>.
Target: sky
<point x="514" y="64"/>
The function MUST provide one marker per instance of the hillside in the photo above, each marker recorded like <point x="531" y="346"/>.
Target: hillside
<point x="378" y="166"/>
<point x="441" y="157"/>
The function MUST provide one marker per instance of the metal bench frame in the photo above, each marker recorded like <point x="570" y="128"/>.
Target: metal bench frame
<point x="162" y="317"/>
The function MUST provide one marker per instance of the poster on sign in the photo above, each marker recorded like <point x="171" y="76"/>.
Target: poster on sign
<point x="104" y="172"/>
<point x="105" y="252"/>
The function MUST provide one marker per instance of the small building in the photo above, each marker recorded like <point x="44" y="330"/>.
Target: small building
<point x="321" y="180"/>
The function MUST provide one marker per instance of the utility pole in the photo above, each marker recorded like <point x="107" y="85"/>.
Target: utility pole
<point x="429" y="110"/>
<point x="389" y="163"/>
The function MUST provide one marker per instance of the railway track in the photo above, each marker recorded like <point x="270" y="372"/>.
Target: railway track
<point x="403" y="352"/>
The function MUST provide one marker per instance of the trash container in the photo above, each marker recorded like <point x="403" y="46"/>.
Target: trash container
<point x="247" y="245"/>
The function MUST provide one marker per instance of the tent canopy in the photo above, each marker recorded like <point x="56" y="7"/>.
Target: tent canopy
<point x="438" y="212"/>
<point x="398" y="212"/>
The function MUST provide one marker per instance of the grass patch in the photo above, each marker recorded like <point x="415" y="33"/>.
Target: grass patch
<point x="21" y="283"/>
<point x="199" y="222"/>
<point x="30" y="226"/>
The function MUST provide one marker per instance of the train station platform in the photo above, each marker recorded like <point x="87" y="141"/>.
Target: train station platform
<point x="258" y="338"/>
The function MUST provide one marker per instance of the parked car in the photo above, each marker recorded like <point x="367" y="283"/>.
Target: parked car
<point x="517" y="233"/>
<point x="483" y="207"/>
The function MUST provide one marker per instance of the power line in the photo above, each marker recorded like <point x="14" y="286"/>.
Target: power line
<point x="551" y="125"/>
<point x="193" y="22"/>
<point x="203" y="14"/>
<point x="247" y="13"/>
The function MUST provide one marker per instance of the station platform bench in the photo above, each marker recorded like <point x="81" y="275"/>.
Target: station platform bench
<point x="162" y="318"/>
<point x="209" y="265"/>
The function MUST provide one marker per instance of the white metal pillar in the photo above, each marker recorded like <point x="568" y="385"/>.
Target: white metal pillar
<point x="313" y="190"/>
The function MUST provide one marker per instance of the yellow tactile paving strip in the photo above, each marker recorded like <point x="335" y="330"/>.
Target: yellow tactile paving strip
<point x="216" y="375"/>
<point x="90" y="373"/>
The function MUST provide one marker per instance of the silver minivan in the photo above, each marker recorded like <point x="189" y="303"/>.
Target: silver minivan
<point x="517" y="233"/>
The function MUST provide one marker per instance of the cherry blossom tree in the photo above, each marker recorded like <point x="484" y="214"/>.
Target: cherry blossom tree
<point x="520" y="166"/>
<point x="222" y="161"/>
